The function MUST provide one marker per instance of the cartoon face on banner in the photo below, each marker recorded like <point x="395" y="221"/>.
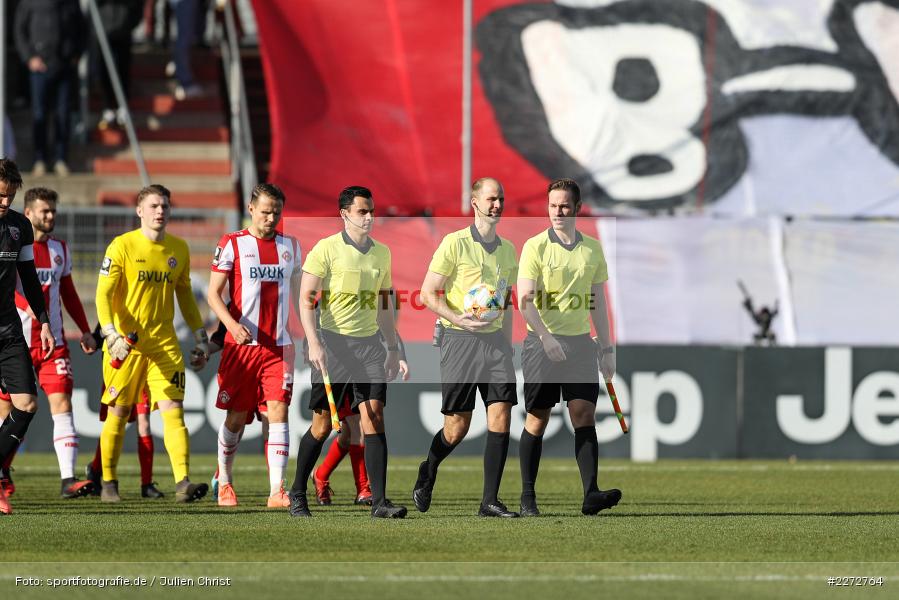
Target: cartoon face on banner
<point x="641" y="99"/>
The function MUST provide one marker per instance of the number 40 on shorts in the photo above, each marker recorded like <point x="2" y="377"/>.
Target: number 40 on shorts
<point x="178" y="380"/>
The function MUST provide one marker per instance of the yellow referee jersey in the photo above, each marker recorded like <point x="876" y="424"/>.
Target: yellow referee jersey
<point x="139" y="279"/>
<point x="466" y="260"/>
<point x="351" y="279"/>
<point x="564" y="275"/>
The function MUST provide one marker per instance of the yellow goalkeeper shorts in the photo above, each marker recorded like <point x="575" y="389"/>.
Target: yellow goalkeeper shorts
<point x="161" y="373"/>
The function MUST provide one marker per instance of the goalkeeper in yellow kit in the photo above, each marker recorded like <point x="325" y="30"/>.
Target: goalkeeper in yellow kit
<point x="141" y="273"/>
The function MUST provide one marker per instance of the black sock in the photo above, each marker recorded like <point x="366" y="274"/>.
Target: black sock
<point x="310" y="449"/>
<point x="376" y="465"/>
<point x="586" y="452"/>
<point x="13" y="432"/>
<point x="440" y="449"/>
<point x="529" y="450"/>
<point x="494" y="461"/>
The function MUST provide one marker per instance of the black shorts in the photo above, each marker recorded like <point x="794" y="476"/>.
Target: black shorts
<point x="16" y="368"/>
<point x="476" y="362"/>
<point x="355" y="367"/>
<point x="577" y="377"/>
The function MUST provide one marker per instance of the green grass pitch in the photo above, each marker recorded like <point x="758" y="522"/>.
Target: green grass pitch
<point x="684" y="529"/>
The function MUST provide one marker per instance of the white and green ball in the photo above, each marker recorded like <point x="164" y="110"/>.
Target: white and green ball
<point x="484" y="302"/>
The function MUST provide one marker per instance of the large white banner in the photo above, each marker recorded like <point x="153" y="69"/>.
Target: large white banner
<point x="741" y="107"/>
<point x="675" y="280"/>
<point x="844" y="282"/>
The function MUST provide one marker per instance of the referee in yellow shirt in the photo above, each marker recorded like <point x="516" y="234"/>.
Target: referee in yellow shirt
<point x="560" y="289"/>
<point x="142" y="272"/>
<point x="352" y="272"/>
<point x="475" y="356"/>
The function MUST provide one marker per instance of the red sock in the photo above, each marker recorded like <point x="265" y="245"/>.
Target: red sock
<point x="332" y="459"/>
<point x="96" y="465"/>
<point x="145" y="456"/>
<point x="357" y="456"/>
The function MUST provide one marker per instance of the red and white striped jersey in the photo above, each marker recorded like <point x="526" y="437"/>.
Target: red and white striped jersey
<point x="53" y="262"/>
<point x="259" y="273"/>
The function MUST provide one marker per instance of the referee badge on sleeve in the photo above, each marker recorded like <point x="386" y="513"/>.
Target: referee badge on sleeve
<point x="104" y="266"/>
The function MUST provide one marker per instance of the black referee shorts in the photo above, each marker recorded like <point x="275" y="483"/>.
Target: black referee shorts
<point x="16" y="369"/>
<point x="577" y="377"/>
<point x="355" y="366"/>
<point x="476" y="362"/>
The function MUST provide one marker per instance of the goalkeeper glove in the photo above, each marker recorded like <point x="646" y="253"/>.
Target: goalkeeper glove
<point x="200" y="354"/>
<point x="115" y="343"/>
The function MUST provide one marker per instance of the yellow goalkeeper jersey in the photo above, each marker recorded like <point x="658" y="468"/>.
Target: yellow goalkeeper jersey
<point x="139" y="280"/>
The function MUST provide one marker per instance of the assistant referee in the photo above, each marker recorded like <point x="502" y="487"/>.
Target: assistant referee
<point x="560" y="286"/>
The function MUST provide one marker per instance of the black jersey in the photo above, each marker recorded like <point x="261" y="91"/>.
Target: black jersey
<point x="16" y="240"/>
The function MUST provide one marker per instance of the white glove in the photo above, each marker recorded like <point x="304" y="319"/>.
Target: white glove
<point x="200" y="354"/>
<point x="115" y="343"/>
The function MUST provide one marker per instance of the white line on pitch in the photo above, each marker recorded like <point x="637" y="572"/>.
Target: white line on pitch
<point x="711" y="466"/>
<point x="643" y="577"/>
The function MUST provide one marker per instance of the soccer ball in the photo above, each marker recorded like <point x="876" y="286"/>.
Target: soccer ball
<point x="484" y="302"/>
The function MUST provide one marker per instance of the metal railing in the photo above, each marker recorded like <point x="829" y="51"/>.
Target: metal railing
<point x="88" y="231"/>
<point x="118" y="90"/>
<point x="243" y="161"/>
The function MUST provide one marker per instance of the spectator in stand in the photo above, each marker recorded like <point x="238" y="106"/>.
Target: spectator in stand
<point x="50" y="37"/>
<point x="203" y="7"/>
<point x="119" y="17"/>
<point x="186" y="20"/>
<point x="150" y="13"/>
<point x="9" y="139"/>
<point x="16" y="82"/>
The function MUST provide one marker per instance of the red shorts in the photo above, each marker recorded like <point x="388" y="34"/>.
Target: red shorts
<point x="141" y="408"/>
<point x="345" y="407"/>
<point x="54" y="374"/>
<point x="257" y="413"/>
<point x="261" y="409"/>
<point x="252" y="375"/>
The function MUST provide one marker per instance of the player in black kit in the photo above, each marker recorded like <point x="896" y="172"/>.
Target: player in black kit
<point x="16" y="372"/>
